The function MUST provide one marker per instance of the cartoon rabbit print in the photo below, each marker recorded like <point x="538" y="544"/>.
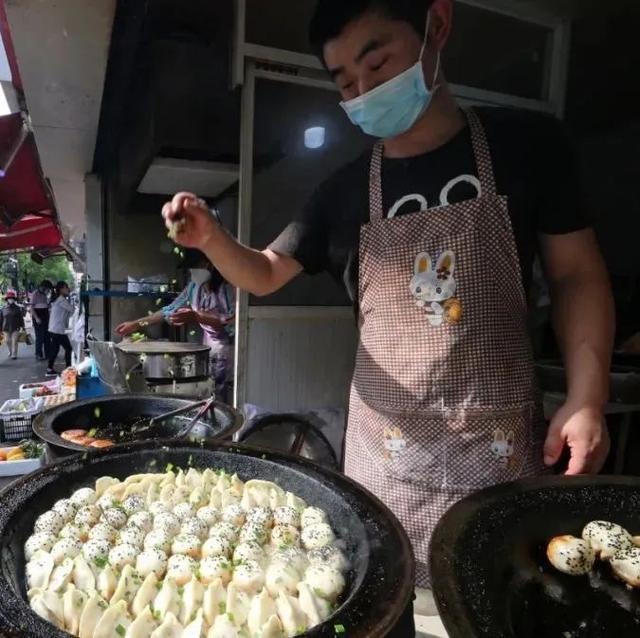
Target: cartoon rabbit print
<point x="434" y="288"/>
<point x="502" y="446"/>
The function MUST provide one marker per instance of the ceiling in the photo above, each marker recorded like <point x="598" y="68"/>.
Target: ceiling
<point x="62" y="49"/>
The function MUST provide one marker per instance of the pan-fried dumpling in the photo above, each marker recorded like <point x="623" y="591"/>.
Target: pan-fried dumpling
<point x="152" y="561"/>
<point x="285" y="536"/>
<point x="187" y="544"/>
<point x="317" y="536"/>
<point x="236" y="486"/>
<point x="135" y="489"/>
<point x="329" y="555"/>
<point x="312" y="516"/>
<point x="87" y="515"/>
<point x="103" y="483"/>
<point x="170" y="628"/>
<point x="127" y="587"/>
<point x="316" y="609"/>
<point x="223" y="482"/>
<point x="272" y="628"/>
<point x="71" y="530"/>
<point x="208" y="515"/>
<point x="91" y="615"/>
<point x="135" y="503"/>
<point x="73" y="602"/>
<point x="132" y="535"/>
<point x="83" y="577"/>
<point x="287" y="515"/>
<point x="166" y="495"/>
<point x="50" y="522"/>
<point x="40" y="541"/>
<point x="192" y="596"/>
<point x="114" y="621"/>
<point x="145" y="594"/>
<point x="293" y="620"/>
<point x="325" y="581"/>
<point x="196" y="628"/>
<point x="215" y="567"/>
<point x="234" y="514"/>
<point x="158" y="507"/>
<point x="96" y="551"/>
<point x="181" y="496"/>
<point x="141" y="520"/>
<point x="103" y="532"/>
<point x="227" y="530"/>
<point x="214" y="601"/>
<point x="198" y="497"/>
<point x="606" y="538"/>
<point x="249" y="577"/>
<point x="247" y="551"/>
<point x="167" y="522"/>
<point x="180" y="478"/>
<point x="153" y="494"/>
<point x="261" y="515"/>
<point x="571" y="555"/>
<point x="261" y="609"/>
<point x="158" y="539"/>
<point x="143" y="625"/>
<point x="65" y="548"/>
<point x="238" y="603"/>
<point x="107" y="582"/>
<point x="193" y="478"/>
<point x="282" y="578"/>
<point x="48" y="606"/>
<point x="292" y="556"/>
<point x="209" y="478"/>
<point x="183" y="512"/>
<point x="168" y="599"/>
<point x="84" y="496"/>
<point x="66" y="509"/>
<point x="215" y="500"/>
<point x="223" y="627"/>
<point x="61" y="575"/>
<point x="181" y="568"/>
<point x="169" y="478"/>
<point x="216" y="546"/>
<point x="295" y="501"/>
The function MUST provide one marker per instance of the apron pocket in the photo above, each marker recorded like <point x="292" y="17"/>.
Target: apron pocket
<point x="408" y="448"/>
<point x="489" y="448"/>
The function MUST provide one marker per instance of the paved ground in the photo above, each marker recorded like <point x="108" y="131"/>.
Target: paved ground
<point x="24" y="370"/>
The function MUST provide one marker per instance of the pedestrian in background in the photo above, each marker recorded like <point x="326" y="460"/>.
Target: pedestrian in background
<point x="40" y="314"/>
<point x="60" y="313"/>
<point x="11" y="322"/>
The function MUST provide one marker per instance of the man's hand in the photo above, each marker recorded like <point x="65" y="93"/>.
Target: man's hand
<point x="584" y="431"/>
<point x="189" y="221"/>
<point x="127" y="328"/>
<point x="37" y="320"/>
<point x="183" y="316"/>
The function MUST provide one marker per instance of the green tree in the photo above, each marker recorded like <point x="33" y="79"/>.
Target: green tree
<point x="30" y="274"/>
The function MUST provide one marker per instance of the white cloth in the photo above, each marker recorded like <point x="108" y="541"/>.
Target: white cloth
<point x="61" y="311"/>
<point x="39" y="300"/>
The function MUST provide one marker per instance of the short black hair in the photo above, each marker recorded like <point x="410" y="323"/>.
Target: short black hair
<point x="332" y="16"/>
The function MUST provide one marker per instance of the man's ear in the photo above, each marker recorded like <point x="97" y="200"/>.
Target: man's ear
<point x="441" y="23"/>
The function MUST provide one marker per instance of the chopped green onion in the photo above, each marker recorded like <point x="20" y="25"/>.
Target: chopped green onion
<point x="97" y="412"/>
<point x="120" y="630"/>
<point x="169" y="467"/>
<point x="101" y="562"/>
<point x="339" y="629"/>
<point x="222" y="607"/>
<point x="92" y="432"/>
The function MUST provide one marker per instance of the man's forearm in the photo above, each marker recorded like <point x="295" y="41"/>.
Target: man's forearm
<point x="243" y="267"/>
<point x="584" y="323"/>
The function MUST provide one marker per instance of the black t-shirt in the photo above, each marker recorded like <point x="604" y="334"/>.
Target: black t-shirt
<point x="534" y="166"/>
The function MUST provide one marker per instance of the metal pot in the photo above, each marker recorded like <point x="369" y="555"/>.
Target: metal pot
<point x="380" y="584"/>
<point x="162" y="360"/>
<point x="221" y="423"/>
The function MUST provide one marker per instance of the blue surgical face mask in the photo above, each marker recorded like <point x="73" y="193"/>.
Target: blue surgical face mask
<point x="395" y="106"/>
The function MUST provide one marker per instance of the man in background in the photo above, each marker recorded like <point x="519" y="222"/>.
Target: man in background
<point x="40" y="314"/>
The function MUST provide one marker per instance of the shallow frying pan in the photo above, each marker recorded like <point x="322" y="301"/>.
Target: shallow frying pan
<point x="490" y="574"/>
<point x="111" y="411"/>
<point x="381" y="579"/>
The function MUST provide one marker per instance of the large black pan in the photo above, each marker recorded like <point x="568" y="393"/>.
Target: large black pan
<point x="381" y="581"/>
<point x="491" y="578"/>
<point x="220" y="423"/>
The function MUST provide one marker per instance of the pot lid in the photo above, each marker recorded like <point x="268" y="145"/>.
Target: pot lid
<point x="162" y="347"/>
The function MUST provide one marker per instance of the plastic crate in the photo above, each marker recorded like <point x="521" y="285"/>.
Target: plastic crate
<point x="15" y="426"/>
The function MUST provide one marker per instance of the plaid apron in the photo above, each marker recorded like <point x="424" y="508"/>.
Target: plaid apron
<point x="443" y="400"/>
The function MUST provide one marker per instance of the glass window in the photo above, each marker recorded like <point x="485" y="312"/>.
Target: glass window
<point x="495" y="52"/>
<point x="301" y="137"/>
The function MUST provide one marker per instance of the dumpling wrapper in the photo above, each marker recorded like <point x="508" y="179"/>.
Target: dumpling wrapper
<point x="170" y="628"/>
<point x="143" y="625"/>
<point x="145" y="594"/>
<point x="47" y="605"/>
<point x="39" y="570"/>
<point x="262" y="608"/>
<point x="83" y="576"/>
<point x="127" y="587"/>
<point x="107" y="582"/>
<point x="259" y="493"/>
<point x="214" y="602"/>
<point x="73" y="602"/>
<point x="114" y="621"/>
<point x="223" y="628"/>
<point x="238" y="604"/>
<point x="196" y="628"/>
<point x="91" y="615"/>
<point x="316" y="609"/>
<point x="193" y="478"/>
<point x="61" y="575"/>
<point x="104" y="483"/>
<point x="168" y="599"/>
<point x="192" y="596"/>
<point x="290" y="614"/>
<point x="272" y="628"/>
<point x="295" y="501"/>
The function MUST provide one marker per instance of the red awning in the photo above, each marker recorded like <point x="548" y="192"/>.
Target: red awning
<point x="31" y="232"/>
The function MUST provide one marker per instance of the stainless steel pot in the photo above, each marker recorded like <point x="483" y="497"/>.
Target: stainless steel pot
<point x="165" y="360"/>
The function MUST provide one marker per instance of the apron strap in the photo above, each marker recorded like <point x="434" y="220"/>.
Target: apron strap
<point x="482" y="154"/>
<point x="376" y="207"/>
<point x="481" y="150"/>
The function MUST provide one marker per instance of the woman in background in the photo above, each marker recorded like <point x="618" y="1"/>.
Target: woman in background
<point x="209" y="301"/>
<point x="40" y="313"/>
<point x="60" y="313"/>
<point x="12" y="322"/>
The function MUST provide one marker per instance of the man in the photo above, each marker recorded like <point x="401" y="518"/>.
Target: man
<point x="40" y="315"/>
<point x="434" y="234"/>
<point x="12" y="323"/>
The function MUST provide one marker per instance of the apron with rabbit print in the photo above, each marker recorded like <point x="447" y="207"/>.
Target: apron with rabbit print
<point x="444" y="399"/>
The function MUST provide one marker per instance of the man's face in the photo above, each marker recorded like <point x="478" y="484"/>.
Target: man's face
<point x="370" y="51"/>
